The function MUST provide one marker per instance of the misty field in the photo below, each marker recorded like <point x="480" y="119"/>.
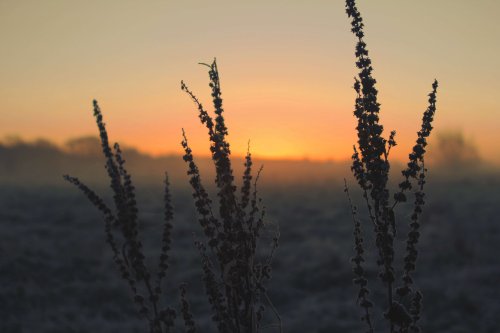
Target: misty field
<point x="207" y="242"/>
<point x="57" y="272"/>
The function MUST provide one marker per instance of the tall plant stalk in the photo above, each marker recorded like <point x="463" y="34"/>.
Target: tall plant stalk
<point x="122" y="235"/>
<point x="234" y="276"/>
<point x="370" y="166"/>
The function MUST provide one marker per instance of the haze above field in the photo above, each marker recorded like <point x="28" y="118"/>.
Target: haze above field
<point x="42" y="162"/>
<point x="287" y="70"/>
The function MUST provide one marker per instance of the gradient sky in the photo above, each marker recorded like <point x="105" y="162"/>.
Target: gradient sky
<point x="286" y="68"/>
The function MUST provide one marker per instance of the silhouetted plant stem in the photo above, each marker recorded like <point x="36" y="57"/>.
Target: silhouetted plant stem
<point x="371" y="167"/>
<point x="166" y="236"/>
<point x="373" y="150"/>
<point x="186" y="312"/>
<point x="358" y="270"/>
<point x="236" y="292"/>
<point x="129" y="255"/>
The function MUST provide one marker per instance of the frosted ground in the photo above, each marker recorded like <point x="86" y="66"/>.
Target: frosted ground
<point x="57" y="274"/>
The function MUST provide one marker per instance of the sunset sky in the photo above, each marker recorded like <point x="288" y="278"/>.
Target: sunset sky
<point x="286" y="69"/>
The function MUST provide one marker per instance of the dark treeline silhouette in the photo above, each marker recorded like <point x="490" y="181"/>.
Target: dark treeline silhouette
<point x="42" y="162"/>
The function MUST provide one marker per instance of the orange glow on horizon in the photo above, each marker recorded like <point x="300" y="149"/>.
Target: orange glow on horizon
<point x="286" y="81"/>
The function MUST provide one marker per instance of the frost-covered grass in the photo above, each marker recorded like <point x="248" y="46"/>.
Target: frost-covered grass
<point x="57" y="273"/>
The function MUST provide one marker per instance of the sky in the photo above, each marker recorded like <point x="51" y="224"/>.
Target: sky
<point x="286" y="71"/>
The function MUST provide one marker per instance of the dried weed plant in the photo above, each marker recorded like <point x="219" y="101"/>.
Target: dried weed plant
<point x="370" y="166"/>
<point x="122" y="235"/>
<point x="234" y="271"/>
<point x="234" y="276"/>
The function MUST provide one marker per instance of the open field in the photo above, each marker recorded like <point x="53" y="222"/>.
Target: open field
<point x="57" y="274"/>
